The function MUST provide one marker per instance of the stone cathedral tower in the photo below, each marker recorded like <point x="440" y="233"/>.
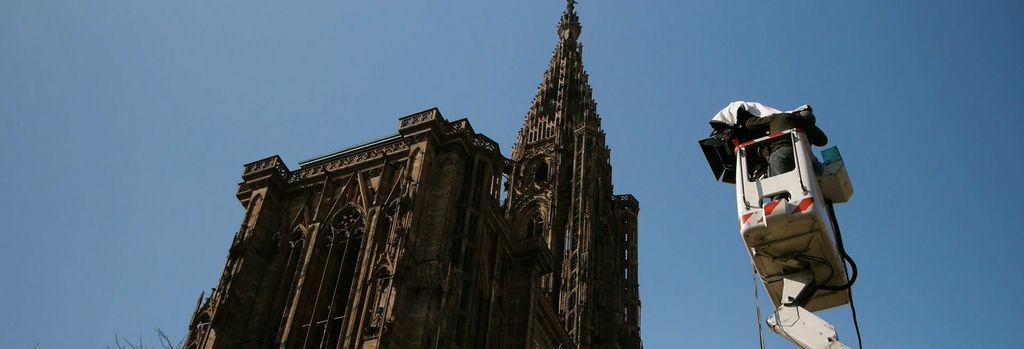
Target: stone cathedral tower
<point x="561" y="188"/>
<point x="404" y="242"/>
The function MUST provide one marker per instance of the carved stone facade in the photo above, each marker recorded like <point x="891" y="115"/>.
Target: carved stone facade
<point x="404" y="242"/>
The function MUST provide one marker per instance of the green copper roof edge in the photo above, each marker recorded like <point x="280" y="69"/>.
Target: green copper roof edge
<point x="348" y="150"/>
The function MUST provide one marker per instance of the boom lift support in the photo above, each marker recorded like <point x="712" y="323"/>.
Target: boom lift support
<point x="789" y="228"/>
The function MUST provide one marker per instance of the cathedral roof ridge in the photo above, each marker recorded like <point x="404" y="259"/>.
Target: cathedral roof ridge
<point x="348" y="150"/>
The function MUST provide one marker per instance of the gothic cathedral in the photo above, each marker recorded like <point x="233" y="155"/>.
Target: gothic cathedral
<point x="405" y="242"/>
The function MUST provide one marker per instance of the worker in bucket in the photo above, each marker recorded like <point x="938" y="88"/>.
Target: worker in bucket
<point x="780" y="152"/>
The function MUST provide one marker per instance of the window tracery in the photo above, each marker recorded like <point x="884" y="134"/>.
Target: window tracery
<point x="323" y="308"/>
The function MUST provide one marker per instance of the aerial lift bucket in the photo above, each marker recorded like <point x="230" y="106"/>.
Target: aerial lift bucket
<point x="784" y="219"/>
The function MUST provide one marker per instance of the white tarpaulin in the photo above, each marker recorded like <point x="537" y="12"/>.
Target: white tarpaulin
<point x="729" y="115"/>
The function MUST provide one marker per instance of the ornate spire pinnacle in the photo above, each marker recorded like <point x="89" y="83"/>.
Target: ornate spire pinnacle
<point x="569" y="27"/>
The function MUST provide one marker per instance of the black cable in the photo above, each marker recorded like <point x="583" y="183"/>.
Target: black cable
<point x="831" y="271"/>
<point x="853" y="272"/>
<point x="853" y="269"/>
<point x="856" y="324"/>
<point x="842" y="252"/>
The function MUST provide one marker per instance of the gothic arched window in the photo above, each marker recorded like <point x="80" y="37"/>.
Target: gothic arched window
<point x="328" y="281"/>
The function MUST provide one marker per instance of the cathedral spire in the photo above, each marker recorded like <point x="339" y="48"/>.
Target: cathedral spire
<point x="564" y="99"/>
<point x="560" y="193"/>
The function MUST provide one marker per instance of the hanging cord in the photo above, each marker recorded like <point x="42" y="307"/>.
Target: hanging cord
<point x="842" y="252"/>
<point x="757" y="305"/>
<point x="856" y="325"/>
<point x="853" y="270"/>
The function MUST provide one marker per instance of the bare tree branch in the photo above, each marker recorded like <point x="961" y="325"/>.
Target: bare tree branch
<point x="123" y="342"/>
<point x="164" y="341"/>
<point x="117" y="341"/>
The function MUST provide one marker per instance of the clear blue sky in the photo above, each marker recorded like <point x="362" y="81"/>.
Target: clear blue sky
<point x="124" y="125"/>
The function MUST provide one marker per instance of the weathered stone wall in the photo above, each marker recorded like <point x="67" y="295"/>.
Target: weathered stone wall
<point x="401" y="244"/>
